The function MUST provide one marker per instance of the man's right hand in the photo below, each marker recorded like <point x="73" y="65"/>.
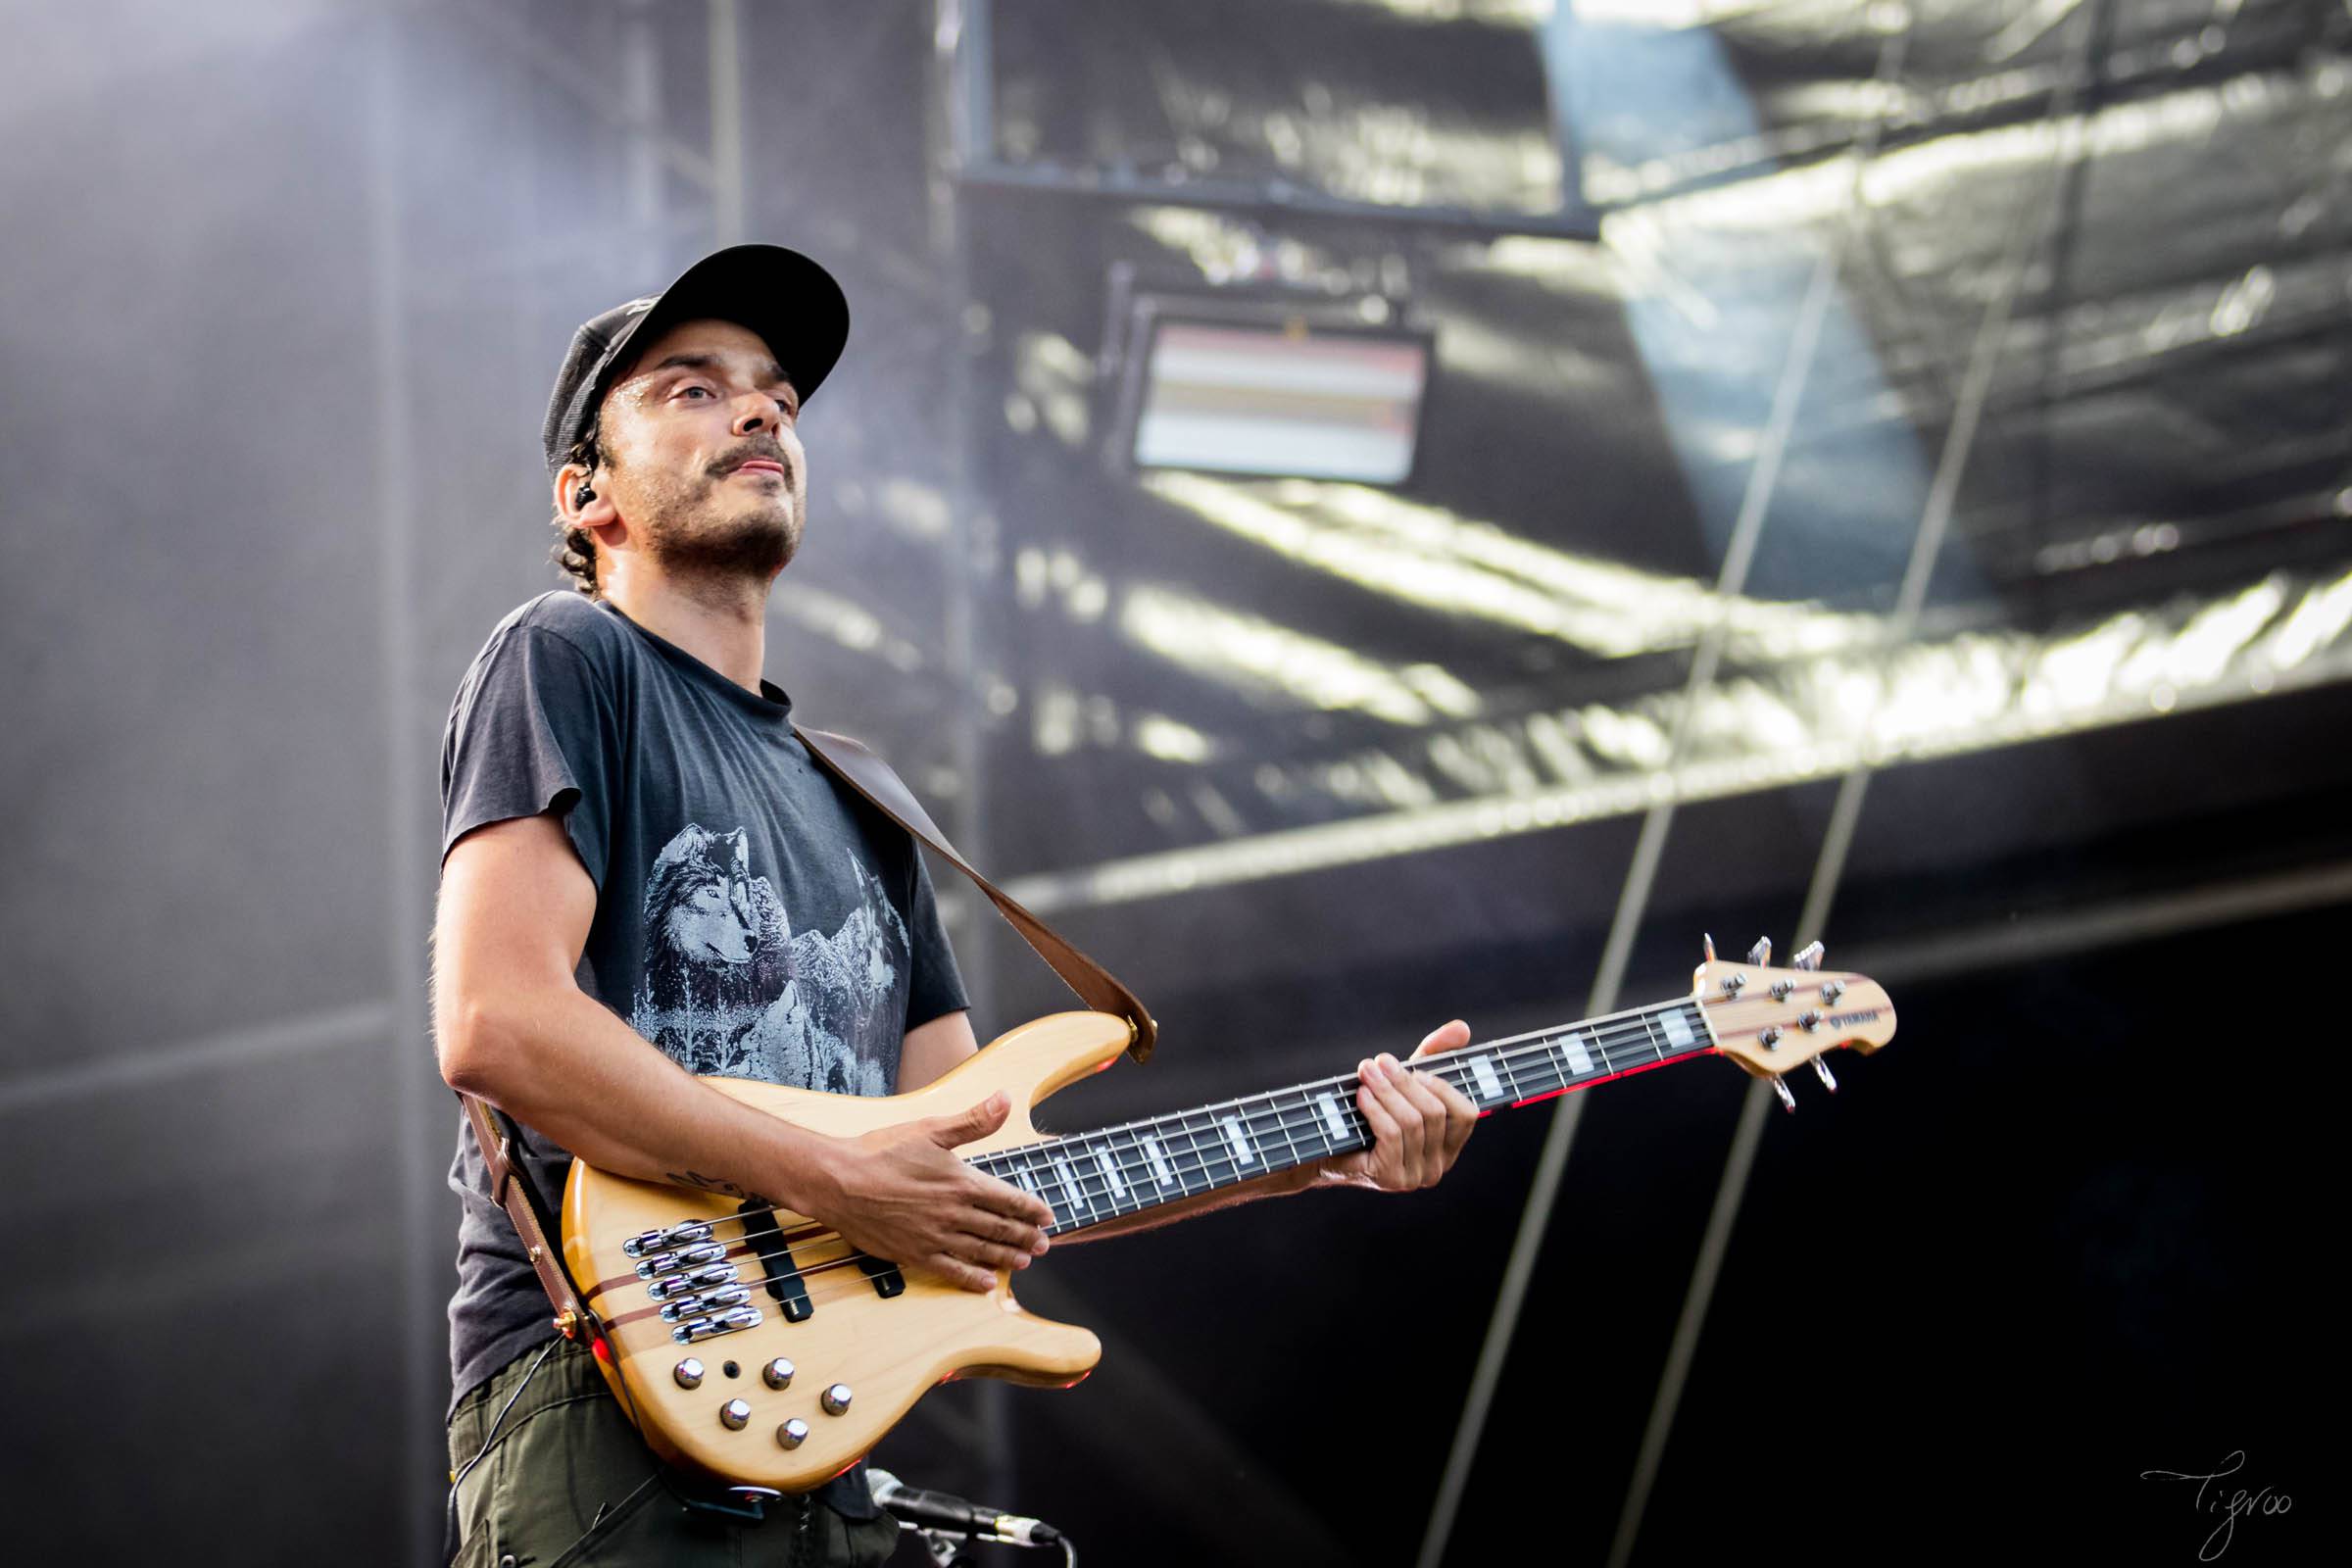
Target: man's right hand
<point x="902" y="1194"/>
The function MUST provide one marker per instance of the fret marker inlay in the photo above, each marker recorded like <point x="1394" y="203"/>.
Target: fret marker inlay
<point x="1069" y="1185"/>
<point x="1111" y="1173"/>
<point x="1580" y="1060"/>
<point x="1242" y="1149"/>
<point x="1489" y="1087"/>
<point x="1160" y="1162"/>
<point x="1028" y="1180"/>
<point x="1678" y="1028"/>
<point x="1332" y="1118"/>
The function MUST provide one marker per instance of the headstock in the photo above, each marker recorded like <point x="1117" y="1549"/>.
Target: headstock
<point x="1770" y="1020"/>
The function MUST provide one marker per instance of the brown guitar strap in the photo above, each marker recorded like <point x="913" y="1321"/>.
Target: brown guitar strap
<point x="512" y="1189"/>
<point x="855" y="765"/>
<point x="849" y="760"/>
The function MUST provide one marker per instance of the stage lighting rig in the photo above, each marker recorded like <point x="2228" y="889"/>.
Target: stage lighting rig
<point x="1267" y="379"/>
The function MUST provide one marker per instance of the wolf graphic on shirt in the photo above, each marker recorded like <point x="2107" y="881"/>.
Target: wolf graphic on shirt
<point x="731" y="989"/>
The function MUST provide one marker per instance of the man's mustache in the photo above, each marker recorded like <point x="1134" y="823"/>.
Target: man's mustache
<point x="736" y="456"/>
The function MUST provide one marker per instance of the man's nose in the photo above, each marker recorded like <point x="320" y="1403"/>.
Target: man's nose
<point x="753" y="414"/>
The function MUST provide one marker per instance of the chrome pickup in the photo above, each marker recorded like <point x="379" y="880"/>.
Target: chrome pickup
<point x="684" y="1258"/>
<point x="703" y="1328"/>
<point x="676" y="1284"/>
<point x="673" y="1236"/>
<point x="694" y="1306"/>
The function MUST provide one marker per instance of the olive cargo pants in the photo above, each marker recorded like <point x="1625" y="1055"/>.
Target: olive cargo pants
<point x="567" y="1483"/>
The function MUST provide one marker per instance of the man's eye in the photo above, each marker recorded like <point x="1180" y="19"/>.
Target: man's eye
<point x="689" y="391"/>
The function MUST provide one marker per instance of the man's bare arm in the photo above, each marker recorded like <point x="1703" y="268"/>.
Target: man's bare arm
<point x="511" y="1026"/>
<point x="931" y="1050"/>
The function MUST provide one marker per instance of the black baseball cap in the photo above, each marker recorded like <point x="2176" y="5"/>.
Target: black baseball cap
<point x="789" y="300"/>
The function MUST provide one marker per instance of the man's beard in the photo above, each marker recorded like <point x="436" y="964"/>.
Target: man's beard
<point x="752" y="542"/>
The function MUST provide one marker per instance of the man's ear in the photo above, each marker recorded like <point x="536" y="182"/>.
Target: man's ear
<point x="577" y="501"/>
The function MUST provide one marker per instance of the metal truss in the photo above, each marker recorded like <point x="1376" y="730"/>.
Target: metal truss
<point x="1875" y="704"/>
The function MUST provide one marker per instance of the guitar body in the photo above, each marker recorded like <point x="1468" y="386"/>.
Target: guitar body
<point x="887" y="1349"/>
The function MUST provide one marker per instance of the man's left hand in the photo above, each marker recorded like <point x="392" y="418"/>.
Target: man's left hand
<point x="1419" y="1122"/>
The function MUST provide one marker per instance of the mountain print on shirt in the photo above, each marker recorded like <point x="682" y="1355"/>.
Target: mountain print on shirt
<point x="730" y="989"/>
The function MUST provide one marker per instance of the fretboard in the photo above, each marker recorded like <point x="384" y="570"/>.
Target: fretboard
<point x="1113" y="1171"/>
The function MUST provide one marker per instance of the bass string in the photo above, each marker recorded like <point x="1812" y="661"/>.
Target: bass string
<point x="1187" y="1164"/>
<point x="1640" y="1041"/>
<point x="1208" y="1150"/>
<point x="807" y="1272"/>
<point x="1188" y="1151"/>
<point x="1449" y="1065"/>
<point x="1634" y="1035"/>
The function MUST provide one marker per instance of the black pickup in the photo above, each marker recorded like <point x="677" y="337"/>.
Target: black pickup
<point x="784" y="1281"/>
<point x="887" y="1281"/>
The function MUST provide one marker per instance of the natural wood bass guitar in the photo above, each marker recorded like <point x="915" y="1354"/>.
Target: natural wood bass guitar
<point x="756" y="1345"/>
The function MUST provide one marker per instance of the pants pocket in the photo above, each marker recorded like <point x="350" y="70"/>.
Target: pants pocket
<point x="617" y="1535"/>
<point x="576" y="1486"/>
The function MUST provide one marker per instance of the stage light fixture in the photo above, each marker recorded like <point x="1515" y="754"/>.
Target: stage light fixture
<point x="1316" y="387"/>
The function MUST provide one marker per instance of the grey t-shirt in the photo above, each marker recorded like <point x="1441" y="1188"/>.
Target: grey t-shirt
<point x="754" y="917"/>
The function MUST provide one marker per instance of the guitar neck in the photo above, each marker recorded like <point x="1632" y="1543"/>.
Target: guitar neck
<point x="1092" y="1177"/>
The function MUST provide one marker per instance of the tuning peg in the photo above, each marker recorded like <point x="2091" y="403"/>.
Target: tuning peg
<point x="1809" y="956"/>
<point x="1761" y="952"/>
<point x="1779" y="1088"/>
<point x="1706" y="945"/>
<point x="1827" y="1082"/>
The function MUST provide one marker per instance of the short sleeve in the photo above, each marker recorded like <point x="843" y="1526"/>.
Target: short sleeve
<point x="935" y="987"/>
<point x="533" y="729"/>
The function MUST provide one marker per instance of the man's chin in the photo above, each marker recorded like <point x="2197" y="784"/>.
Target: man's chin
<point x="755" y="546"/>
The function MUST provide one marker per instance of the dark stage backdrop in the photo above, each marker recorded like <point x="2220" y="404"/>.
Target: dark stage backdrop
<point x="287" y="283"/>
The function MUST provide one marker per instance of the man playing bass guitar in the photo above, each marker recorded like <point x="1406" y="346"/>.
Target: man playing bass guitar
<point x="645" y="878"/>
